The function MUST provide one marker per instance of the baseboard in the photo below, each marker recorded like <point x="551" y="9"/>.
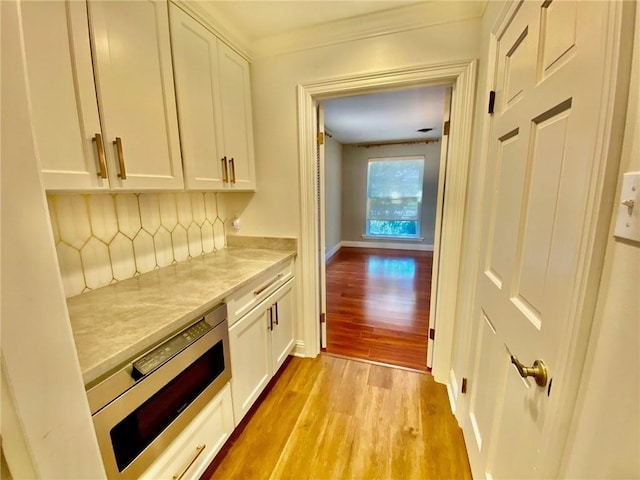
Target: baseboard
<point x="298" y="349"/>
<point x="452" y="388"/>
<point x="388" y="245"/>
<point x="331" y="252"/>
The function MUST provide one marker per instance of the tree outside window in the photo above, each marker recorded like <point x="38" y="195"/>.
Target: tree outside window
<point x="394" y="196"/>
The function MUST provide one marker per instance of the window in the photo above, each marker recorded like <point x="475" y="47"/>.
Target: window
<point x="394" y="197"/>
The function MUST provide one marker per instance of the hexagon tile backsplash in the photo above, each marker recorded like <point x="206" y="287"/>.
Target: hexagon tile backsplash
<point x="104" y="238"/>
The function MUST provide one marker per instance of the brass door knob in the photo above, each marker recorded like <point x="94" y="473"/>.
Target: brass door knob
<point x="538" y="371"/>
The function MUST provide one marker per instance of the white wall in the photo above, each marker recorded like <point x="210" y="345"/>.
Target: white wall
<point x="606" y="440"/>
<point x="354" y="187"/>
<point x="333" y="193"/>
<point x="274" y="210"/>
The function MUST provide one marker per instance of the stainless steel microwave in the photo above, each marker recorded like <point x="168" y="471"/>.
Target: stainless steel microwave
<point x="140" y="409"/>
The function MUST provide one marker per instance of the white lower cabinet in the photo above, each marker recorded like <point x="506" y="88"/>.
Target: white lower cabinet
<point x="259" y="344"/>
<point x="282" y="333"/>
<point x="193" y="450"/>
<point x="250" y="358"/>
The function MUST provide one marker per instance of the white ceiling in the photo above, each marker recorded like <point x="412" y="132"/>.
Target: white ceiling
<point x="266" y="18"/>
<point x="384" y="117"/>
<point x="389" y="116"/>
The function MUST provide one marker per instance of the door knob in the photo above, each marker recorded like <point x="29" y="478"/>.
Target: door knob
<point x="538" y="371"/>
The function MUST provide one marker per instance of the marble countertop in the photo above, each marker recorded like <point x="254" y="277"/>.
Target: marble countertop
<point x="114" y="324"/>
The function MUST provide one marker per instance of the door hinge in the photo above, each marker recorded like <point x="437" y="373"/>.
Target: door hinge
<point x="320" y="138"/>
<point x="464" y="385"/>
<point x="492" y="100"/>
<point x="445" y="129"/>
<point x="432" y="333"/>
<point x="323" y="318"/>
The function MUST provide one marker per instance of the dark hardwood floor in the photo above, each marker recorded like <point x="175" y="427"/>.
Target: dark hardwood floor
<point x="378" y="305"/>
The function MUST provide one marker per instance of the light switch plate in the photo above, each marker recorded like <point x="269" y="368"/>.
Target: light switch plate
<point x="628" y="212"/>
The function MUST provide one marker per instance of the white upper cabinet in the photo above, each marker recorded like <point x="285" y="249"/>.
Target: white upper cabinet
<point x="130" y="84"/>
<point x="63" y="97"/>
<point x="195" y="56"/>
<point x="134" y="82"/>
<point x="214" y="107"/>
<point x="237" y="122"/>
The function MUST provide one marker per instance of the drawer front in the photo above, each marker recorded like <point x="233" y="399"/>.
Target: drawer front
<point x="242" y="301"/>
<point x="191" y="453"/>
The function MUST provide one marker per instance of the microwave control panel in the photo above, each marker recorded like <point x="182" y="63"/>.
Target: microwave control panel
<point x="168" y="349"/>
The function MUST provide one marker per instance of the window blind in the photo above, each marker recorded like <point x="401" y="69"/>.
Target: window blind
<point x="394" y="196"/>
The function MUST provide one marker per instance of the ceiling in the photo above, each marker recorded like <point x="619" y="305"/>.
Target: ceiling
<point x="251" y="16"/>
<point x="385" y="117"/>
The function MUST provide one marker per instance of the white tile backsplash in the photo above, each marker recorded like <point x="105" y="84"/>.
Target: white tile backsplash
<point x="128" y="213"/>
<point x="73" y="220"/>
<point x="104" y="223"/>
<point x="122" y="260"/>
<point x="96" y="263"/>
<point x="105" y="238"/>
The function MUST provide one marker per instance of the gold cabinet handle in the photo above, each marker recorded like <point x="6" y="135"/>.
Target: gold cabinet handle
<point x="199" y="450"/>
<point x="123" y="171"/>
<point x="538" y="371"/>
<point x="101" y="161"/>
<point x="233" y="170"/>
<point x="225" y="176"/>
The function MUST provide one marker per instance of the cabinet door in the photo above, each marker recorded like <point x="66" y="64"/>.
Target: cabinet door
<point x="134" y="79"/>
<point x="282" y="336"/>
<point x="250" y="360"/>
<point x="195" y="59"/>
<point x="237" y="123"/>
<point x="63" y="97"/>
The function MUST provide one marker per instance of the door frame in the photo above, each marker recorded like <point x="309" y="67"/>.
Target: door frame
<point x="462" y="76"/>
<point x="613" y="100"/>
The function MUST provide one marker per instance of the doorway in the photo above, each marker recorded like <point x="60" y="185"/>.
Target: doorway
<point x="462" y="75"/>
<point x="384" y="156"/>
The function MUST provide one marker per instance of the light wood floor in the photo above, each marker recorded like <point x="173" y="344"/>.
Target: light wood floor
<point x="378" y="305"/>
<point x="333" y="418"/>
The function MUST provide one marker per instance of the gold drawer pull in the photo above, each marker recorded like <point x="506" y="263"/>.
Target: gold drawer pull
<point x="225" y="176"/>
<point x="259" y="291"/>
<point x="123" y="171"/>
<point x="199" y="450"/>
<point x="101" y="161"/>
<point x="232" y="163"/>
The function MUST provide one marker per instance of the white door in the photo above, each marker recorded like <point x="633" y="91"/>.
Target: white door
<point x="437" y="237"/>
<point x="237" y="123"/>
<point x="195" y="59"/>
<point x="540" y="196"/>
<point x="134" y="79"/>
<point x="63" y="96"/>
<point x="322" y="238"/>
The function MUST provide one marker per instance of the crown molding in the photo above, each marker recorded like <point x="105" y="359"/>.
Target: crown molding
<point x="218" y="24"/>
<point x="411" y="17"/>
